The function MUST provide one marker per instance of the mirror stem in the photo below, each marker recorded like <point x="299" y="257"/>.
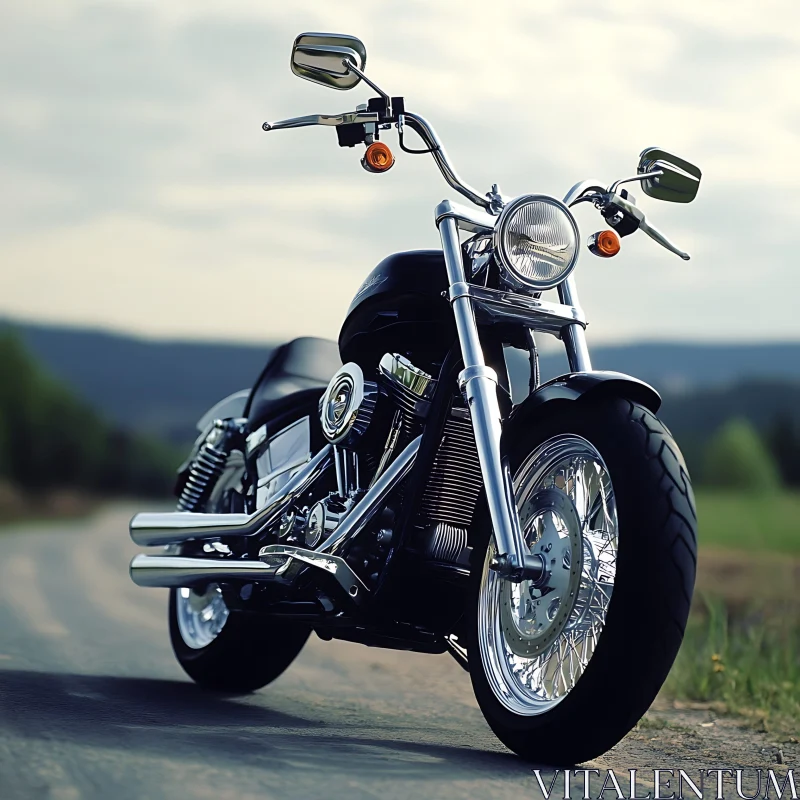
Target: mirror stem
<point x="655" y="174"/>
<point x="351" y="67"/>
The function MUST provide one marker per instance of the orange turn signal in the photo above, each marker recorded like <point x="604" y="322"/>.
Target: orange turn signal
<point x="604" y="244"/>
<point x="378" y="158"/>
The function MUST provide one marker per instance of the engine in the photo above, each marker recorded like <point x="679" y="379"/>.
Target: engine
<point x="369" y="423"/>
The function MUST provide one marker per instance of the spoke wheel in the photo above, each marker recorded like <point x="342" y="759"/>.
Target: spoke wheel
<point x="537" y="637"/>
<point x="564" y="666"/>
<point x="201" y="615"/>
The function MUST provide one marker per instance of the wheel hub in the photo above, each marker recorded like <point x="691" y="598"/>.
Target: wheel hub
<point x="533" y="613"/>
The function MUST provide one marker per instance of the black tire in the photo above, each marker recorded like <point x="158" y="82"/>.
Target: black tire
<point x="248" y="653"/>
<point x="652" y="593"/>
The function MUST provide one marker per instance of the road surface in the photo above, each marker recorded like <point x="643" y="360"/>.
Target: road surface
<point x="93" y="704"/>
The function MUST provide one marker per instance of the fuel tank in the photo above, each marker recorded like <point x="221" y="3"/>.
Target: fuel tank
<point x="401" y="308"/>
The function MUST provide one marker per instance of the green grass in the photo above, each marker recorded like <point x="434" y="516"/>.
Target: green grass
<point x="752" y="522"/>
<point x="750" y="665"/>
<point x="741" y="651"/>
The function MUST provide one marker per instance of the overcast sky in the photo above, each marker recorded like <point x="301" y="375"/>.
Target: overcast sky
<point x="140" y="194"/>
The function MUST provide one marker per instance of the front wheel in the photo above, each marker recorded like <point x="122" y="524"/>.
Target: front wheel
<point x="564" y="667"/>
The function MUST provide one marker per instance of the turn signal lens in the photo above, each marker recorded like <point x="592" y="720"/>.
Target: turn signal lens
<point x="378" y="158"/>
<point x="604" y="244"/>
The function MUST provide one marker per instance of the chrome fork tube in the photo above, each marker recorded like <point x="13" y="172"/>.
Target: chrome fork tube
<point x="479" y="384"/>
<point x="574" y="335"/>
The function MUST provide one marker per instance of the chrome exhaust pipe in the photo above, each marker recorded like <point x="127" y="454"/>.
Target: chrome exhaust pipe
<point x="152" y="530"/>
<point x="173" y="572"/>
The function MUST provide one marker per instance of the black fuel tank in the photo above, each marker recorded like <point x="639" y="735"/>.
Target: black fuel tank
<point x="400" y="308"/>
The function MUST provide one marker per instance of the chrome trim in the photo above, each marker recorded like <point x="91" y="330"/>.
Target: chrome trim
<point x="510" y="273"/>
<point x="581" y="188"/>
<point x="468" y="219"/>
<point x="467" y="374"/>
<point x="174" y="572"/>
<point x="481" y="394"/>
<point x="532" y="312"/>
<point x="411" y="378"/>
<point x="151" y="530"/>
<point x="574" y="336"/>
<point x="373" y="500"/>
<point x="347" y="406"/>
<point x="434" y="144"/>
<point x="334" y="565"/>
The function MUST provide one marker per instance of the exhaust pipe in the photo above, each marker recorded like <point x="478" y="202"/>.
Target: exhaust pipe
<point x="152" y="530"/>
<point x="175" y="572"/>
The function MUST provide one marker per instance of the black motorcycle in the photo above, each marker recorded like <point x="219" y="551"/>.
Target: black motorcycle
<point x="385" y="489"/>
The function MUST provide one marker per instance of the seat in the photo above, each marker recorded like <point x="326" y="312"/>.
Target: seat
<point x="304" y="365"/>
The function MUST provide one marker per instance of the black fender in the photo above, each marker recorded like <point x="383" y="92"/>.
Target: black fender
<point x="578" y="386"/>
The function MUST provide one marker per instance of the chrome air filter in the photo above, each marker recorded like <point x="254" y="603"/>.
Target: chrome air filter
<point x="347" y="406"/>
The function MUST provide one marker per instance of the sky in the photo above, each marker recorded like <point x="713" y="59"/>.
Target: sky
<point x="139" y="193"/>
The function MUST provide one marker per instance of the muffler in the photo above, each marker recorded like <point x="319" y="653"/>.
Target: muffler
<point x="173" y="527"/>
<point x="280" y="562"/>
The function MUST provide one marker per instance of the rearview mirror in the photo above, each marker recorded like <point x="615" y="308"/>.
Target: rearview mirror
<point x="318" y="57"/>
<point x="678" y="182"/>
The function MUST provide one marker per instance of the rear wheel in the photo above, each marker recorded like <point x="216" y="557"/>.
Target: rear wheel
<point x="228" y="650"/>
<point x="564" y="667"/>
<point x="222" y="649"/>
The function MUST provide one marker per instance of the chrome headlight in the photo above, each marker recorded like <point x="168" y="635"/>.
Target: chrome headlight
<point x="536" y="242"/>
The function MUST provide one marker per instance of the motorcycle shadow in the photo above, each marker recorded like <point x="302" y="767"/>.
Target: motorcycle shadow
<point x="178" y="719"/>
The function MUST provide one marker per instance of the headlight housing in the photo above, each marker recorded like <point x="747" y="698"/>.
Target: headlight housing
<point x="536" y="242"/>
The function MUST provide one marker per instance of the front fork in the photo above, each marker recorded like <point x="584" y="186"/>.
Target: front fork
<point x="479" y="384"/>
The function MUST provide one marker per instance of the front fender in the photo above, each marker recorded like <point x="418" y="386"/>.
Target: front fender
<point x="578" y="385"/>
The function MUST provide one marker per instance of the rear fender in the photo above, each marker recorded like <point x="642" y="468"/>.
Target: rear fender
<point x="577" y="386"/>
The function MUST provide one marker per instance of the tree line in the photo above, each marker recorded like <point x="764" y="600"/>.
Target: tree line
<point x="50" y="439"/>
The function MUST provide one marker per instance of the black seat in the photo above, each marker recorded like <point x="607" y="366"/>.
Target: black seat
<point x="303" y="365"/>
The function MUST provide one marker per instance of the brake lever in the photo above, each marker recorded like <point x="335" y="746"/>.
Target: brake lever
<point x="633" y="218"/>
<point x="348" y="118"/>
<point x="659" y="237"/>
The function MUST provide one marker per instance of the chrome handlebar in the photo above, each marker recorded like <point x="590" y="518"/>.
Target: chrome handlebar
<point x="414" y="121"/>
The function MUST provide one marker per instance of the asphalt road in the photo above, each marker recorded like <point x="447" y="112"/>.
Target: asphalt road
<point x="93" y="704"/>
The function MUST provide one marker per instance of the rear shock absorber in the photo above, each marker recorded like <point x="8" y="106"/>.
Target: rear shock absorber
<point x="208" y="465"/>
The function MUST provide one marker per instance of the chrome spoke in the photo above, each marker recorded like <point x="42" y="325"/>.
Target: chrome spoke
<point x="201" y="615"/>
<point x="537" y="641"/>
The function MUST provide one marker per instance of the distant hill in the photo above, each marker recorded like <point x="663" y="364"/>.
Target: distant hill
<point x="162" y="387"/>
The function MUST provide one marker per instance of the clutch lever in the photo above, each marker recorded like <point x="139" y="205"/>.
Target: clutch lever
<point x="348" y="118"/>
<point x="622" y="214"/>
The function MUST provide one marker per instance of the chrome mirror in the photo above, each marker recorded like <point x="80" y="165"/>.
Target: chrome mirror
<point x="319" y="57"/>
<point x="678" y="182"/>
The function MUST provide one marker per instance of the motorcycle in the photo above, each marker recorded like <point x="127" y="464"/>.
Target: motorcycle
<point x="384" y="489"/>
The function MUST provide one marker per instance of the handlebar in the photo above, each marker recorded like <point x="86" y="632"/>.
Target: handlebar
<point x="417" y="123"/>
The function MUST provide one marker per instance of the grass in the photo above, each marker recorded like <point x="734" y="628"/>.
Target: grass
<point x="741" y="651"/>
<point x="752" y="522"/>
<point x="750" y="665"/>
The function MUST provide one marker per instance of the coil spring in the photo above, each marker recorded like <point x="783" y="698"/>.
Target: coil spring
<point x="204" y="472"/>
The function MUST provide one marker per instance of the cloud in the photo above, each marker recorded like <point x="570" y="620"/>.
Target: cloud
<point x="138" y="185"/>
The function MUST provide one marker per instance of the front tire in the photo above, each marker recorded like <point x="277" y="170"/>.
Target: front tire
<point x="564" y="670"/>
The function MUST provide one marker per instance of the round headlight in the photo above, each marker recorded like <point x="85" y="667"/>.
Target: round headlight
<point x="536" y="242"/>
